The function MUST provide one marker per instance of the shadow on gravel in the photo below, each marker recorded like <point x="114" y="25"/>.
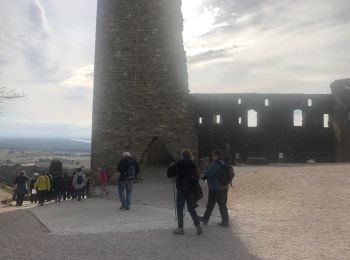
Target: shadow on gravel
<point x="20" y="229"/>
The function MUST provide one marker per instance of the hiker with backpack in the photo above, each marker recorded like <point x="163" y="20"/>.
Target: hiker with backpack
<point x="128" y="169"/>
<point x="79" y="182"/>
<point x="188" y="190"/>
<point x="218" y="176"/>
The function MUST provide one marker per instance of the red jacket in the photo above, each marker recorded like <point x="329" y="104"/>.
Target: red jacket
<point x="103" y="177"/>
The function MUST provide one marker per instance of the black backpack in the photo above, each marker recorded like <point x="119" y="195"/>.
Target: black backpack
<point x="80" y="179"/>
<point x="226" y="175"/>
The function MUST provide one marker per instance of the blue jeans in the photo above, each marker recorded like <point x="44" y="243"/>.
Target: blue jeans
<point x="125" y="189"/>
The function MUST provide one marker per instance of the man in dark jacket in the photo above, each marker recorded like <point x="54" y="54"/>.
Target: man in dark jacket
<point x="21" y="188"/>
<point x="186" y="173"/>
<point x="217" y="192"/>
<point x="128" y="168"/>
<point x="58" y="185"/>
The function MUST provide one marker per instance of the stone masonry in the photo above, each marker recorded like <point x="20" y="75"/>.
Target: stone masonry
<point x="141" y="102"/>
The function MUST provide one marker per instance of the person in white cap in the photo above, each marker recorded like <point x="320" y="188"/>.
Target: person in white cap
<point x="128" y="169"/>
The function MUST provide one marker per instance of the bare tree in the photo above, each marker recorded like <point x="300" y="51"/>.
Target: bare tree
<point x="7" y="95"/>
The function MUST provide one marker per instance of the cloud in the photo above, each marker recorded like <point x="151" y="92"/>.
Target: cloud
<point x="300" y="45"/>
<point x="81" y="78"/>
<point x="38" y="17"/>
<point x="211" y="55"/>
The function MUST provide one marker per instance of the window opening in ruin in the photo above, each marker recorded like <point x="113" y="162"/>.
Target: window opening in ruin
<point x="267" y="102"/>
<point x="239" y="101"/>
<point x="309" y="102"/>
<point x="298" y="117"/>
<point x="325" y="120"/>
<point x="218" y="119"/>
<point x="240" y="120"/>
<point x="200" y="120"/>
<point x="252" y="118"/>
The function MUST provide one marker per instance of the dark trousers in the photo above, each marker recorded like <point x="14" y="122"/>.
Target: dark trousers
<point x="79" y="193"/>
<point x="58" y="195"/>
<point x="66" y="194"/>
<point x="19" y="200"/>
<point x="41" y="196"/>
<point x="217" y="196"/>
<point x="34" y="198"/>
<point x="181" y="198"/>
<point x="83" y="190"/>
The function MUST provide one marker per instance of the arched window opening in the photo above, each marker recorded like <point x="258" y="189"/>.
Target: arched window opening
<point x="325" y="120"/>
<point x="252" y="118"/>
<point x="217" y="119"/>
<point x="239" y="101"/>
<point x="298" y="117"/>
<point x="309" y="102"/>
<point x="267" y="102"/>
<point x="240" y="120"/>
<point x="200" y="120"/>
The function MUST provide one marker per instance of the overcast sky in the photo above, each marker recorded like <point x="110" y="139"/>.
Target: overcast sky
<point x="47" y="51"/>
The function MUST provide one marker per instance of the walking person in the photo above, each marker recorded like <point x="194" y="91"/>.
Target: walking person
<point x="33" y="191"/>
<point x="103" y="178"/>
<point x="58" y="185"/>
<point x="49" y="192"/>
<point x="187" y="180"/>
<point x="72" y="189"/>
<point x="21" y="188"/>
<point x="217" y="191"/>
<point x="79" y="182"/>
<point x="67" y="186"/>
<point x="128" y="168"/>
<point x="42" y="185"/>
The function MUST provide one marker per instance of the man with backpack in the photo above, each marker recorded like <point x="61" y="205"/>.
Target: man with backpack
<point x="128" y="169"/>
<point x="79" y="182"/>
<point x="218" y="176"/>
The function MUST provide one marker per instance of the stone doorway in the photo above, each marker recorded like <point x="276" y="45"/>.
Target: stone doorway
<point x="156" y="153"/>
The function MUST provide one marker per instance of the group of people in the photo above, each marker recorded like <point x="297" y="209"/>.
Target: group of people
<point x="187" y="186"/>
<point x="188" y="189"/>
<point x="45" y="187"/>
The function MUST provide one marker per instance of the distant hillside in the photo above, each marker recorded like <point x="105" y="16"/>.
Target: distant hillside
<point x="46" y="144"/>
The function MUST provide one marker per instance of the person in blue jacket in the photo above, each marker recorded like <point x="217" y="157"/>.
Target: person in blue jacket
<point x="217" y="192"/>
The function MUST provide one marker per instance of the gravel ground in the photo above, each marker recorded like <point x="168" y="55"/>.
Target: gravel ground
<point x="295" y="212"/>
<point x="278" y="212"/>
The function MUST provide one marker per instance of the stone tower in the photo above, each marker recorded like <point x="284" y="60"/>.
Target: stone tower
<point x="141" y="97"/>
<point x="341" y="118"/>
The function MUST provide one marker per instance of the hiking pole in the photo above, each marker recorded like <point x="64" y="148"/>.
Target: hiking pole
<point x="174" y="193"/>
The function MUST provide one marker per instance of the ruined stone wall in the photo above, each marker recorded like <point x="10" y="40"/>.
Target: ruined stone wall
<point x="141" y="101"/>
<point x="275" y="132"/>
<point x="341" y="118"/>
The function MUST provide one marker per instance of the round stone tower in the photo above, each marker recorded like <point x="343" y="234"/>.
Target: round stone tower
<point x="141" y="97"/>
